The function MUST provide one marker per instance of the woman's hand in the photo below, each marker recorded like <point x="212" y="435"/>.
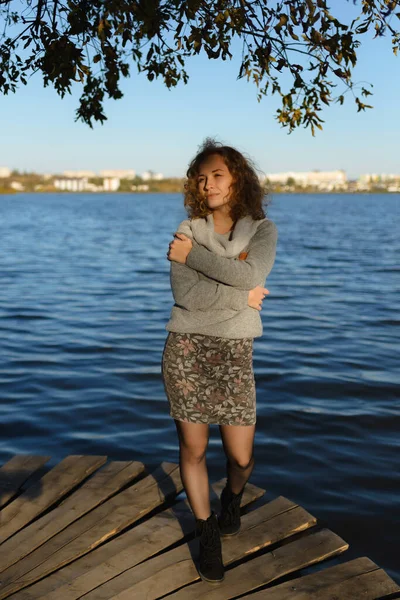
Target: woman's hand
<point x="256" y="297"/>
<point x="180" y="248"/>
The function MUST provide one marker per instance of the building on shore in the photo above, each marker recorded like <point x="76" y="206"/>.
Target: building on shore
<point x="71" y="184"/>
<point x="118" y="173"/>
<point x="17" y="186"/>
<point x="384" y="181"/>
<point x="111" y="184"/>
<point x="378" y="177"/>
<point x="141" y="187"/>
<point x="322" y="180"/>
<point x="79" y="174"/>
<point x="150" y="175"/>
<point x="5" y="172"/>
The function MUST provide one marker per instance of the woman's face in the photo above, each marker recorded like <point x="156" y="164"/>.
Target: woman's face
<point x="214" y="181"/>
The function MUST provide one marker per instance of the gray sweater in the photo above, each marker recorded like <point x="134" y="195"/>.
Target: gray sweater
<point x="211" y="291"/>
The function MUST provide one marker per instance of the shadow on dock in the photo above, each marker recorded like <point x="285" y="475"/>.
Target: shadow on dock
<point x="110" y="530"/>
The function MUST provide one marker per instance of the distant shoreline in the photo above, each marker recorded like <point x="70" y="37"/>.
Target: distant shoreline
<point x="134" y="193"/>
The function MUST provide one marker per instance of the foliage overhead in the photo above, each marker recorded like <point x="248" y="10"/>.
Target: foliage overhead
<point x="95" y="42"/>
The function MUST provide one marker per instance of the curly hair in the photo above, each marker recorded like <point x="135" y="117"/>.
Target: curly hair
<point x="247" y="196"/>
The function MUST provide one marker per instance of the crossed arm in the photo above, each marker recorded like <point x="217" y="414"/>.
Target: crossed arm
<point x="193" y="293"/>
<point x="241" y="274"/>
<point x="233" y="278"/>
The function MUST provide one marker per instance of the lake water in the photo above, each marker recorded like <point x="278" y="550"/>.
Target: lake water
<point x="84" y="300"/>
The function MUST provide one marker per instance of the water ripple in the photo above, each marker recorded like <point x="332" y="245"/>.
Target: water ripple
<point x="84" y="298"/>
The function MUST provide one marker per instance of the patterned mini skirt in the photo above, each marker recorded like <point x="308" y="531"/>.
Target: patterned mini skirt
<point x="209" y="379"/>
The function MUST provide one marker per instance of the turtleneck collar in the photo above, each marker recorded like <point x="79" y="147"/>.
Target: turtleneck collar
<point x="202" y="231"/>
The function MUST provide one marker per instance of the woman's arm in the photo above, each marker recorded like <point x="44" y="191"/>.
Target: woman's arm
<point x="242" y="274"/>
<point x="192" y="293"/>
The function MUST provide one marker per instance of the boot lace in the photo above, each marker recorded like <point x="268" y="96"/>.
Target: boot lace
<point x="210" y="540"/>
<point x="231" y="507"/>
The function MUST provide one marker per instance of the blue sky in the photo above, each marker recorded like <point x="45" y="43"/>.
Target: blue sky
<point x="159" y="129"/>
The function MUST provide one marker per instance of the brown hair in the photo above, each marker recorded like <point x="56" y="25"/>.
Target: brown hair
<point x="247" y="196"/>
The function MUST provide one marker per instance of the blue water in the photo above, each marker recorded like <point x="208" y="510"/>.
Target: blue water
<point x="84" y="300"/>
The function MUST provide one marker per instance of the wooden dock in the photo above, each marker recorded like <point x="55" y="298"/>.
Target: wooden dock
<point x="100" y="530"/>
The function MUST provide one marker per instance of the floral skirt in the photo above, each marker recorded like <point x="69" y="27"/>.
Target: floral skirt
<point x="209" y="379"/>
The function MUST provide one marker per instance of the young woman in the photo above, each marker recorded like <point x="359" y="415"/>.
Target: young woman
<point x="220" y="258"/>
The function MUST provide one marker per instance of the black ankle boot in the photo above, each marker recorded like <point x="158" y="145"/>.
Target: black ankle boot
<point x="211" y="568"/>
<point x="229" y="519"/>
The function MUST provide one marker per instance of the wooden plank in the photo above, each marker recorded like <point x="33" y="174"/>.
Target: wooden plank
<point x="169" y="571"/>
<point x="264" y="569"/>
<point x="46" y="492"/>
<point x="15" y="472"/>
<point x="101" y="486"/>
<point x="101" y="524"/>
<point x="356" y="579"/>
<point x="113" y="558"/>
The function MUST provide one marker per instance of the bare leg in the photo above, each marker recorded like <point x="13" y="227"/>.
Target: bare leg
<point x="238" y="443"/>
<point x="193" y="442"/>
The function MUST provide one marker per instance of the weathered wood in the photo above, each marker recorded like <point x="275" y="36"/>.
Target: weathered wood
<point x="266" y="568"/>
<point x="101" y="524"/>
<point x="45" y="493"/>
<point x="165" y="573"/>
<point x="353" y="580"/>
<point x="61" y="555"/>
<point x="116" y="556"/>
<point x="101" y="486"/>
<point x="15" y="472"/>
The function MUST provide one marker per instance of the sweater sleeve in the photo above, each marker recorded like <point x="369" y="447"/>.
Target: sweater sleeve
<point x="242" y="274"/>
<point x="193" y="293"/>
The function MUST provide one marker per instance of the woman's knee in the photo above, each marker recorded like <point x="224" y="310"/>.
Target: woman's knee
<point x="193" y="441"/>
<point x="193" y="453"/>
<point x="241" y="462"/>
